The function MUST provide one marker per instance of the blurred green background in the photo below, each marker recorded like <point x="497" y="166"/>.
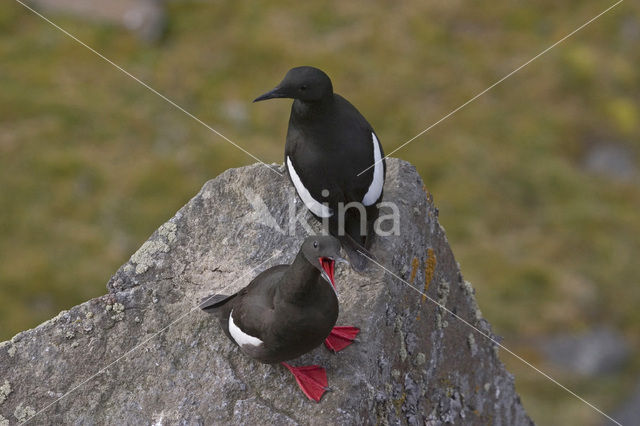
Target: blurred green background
<point x="544" y="224"/>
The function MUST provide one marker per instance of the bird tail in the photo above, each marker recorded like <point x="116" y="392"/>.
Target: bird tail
<point x="211" y="303"/>
<point x="358" y="255"/>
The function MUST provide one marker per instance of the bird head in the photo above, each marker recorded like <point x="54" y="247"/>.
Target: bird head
<point x="323" y="252"/>
<point x="307" y="84"/>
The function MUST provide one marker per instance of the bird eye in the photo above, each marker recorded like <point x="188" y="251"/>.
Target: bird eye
<point x="303" y="87"/>
<point x="315" y="244"/>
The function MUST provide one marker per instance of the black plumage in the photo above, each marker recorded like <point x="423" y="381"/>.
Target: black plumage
<point x="329" y="145"/>
<point x="290" y="308"/>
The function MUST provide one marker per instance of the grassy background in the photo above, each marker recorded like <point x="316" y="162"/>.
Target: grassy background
<point x="91" y="162"/>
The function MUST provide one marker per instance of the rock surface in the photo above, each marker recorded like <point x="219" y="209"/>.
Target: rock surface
<point x="414" y="363"/>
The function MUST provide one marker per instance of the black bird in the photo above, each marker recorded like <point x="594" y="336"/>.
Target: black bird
<point x="288" y="310"/>
<point x="329" y="143"/>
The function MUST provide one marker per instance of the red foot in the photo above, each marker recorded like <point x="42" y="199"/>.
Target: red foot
<point x="340" y="338"/>
<point x="312" y="379"/>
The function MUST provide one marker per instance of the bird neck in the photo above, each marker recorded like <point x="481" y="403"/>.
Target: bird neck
<point x="305" y="110"/>
<point x="300" y="281"/>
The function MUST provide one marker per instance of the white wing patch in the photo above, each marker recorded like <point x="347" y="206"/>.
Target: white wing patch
<point x="312" y="204"/>
<point x="375" y="189"/>
<point x="240" y="336"/>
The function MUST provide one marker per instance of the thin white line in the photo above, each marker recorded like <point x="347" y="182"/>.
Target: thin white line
<point x="149" y="87"/>
<point x="494" y="84"/>
<point x="494" y="341"/>
<point x="138" y="345"/>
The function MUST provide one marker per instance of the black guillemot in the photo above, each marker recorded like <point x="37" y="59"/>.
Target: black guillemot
<point x="329" y="154"/>
<point x="288" y="310"/>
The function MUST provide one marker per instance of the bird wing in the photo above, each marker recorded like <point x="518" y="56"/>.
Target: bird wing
<point x="253" y="308"/>
<point x="210" y="303"/>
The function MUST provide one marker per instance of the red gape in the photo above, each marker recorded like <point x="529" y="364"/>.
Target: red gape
<point x="312" y="380"/>
<point x="340" y="338"/>
<point x="329" y="266"/>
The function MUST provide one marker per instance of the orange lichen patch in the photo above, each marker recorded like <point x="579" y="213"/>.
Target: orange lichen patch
<point x="414" y="269"/>
<point x="429" y="195"/>
<point x="429" y="271"/>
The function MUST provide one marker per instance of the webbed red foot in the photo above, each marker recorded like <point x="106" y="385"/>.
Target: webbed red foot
<point x="312" y="380"/>
<point x="341" y="337"/>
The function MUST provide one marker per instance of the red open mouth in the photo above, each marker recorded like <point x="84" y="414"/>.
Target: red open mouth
<point x="328" y="265"/>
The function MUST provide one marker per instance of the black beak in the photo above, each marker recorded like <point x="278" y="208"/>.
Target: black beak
<point x="275" y="93"/>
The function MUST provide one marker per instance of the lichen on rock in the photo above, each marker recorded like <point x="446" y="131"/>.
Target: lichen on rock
<point x="23" y="413"/>
<point x="118" y="311"/>
<point x="5" y="390"/>
<point x="442" y="296"/>
<point x="168" y="230"/>
<point x="471" y="341"/>
<point x="143" y="258"/>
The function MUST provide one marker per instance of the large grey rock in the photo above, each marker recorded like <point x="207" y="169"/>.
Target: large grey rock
<point x="414" y="363"/>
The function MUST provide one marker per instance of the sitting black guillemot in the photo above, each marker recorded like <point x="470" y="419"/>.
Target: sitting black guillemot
<point x="329" y="144"/>
<point x="288" y="310"/>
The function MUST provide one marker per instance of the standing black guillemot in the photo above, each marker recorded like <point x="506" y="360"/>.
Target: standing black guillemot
<point x="329" y="143"/>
